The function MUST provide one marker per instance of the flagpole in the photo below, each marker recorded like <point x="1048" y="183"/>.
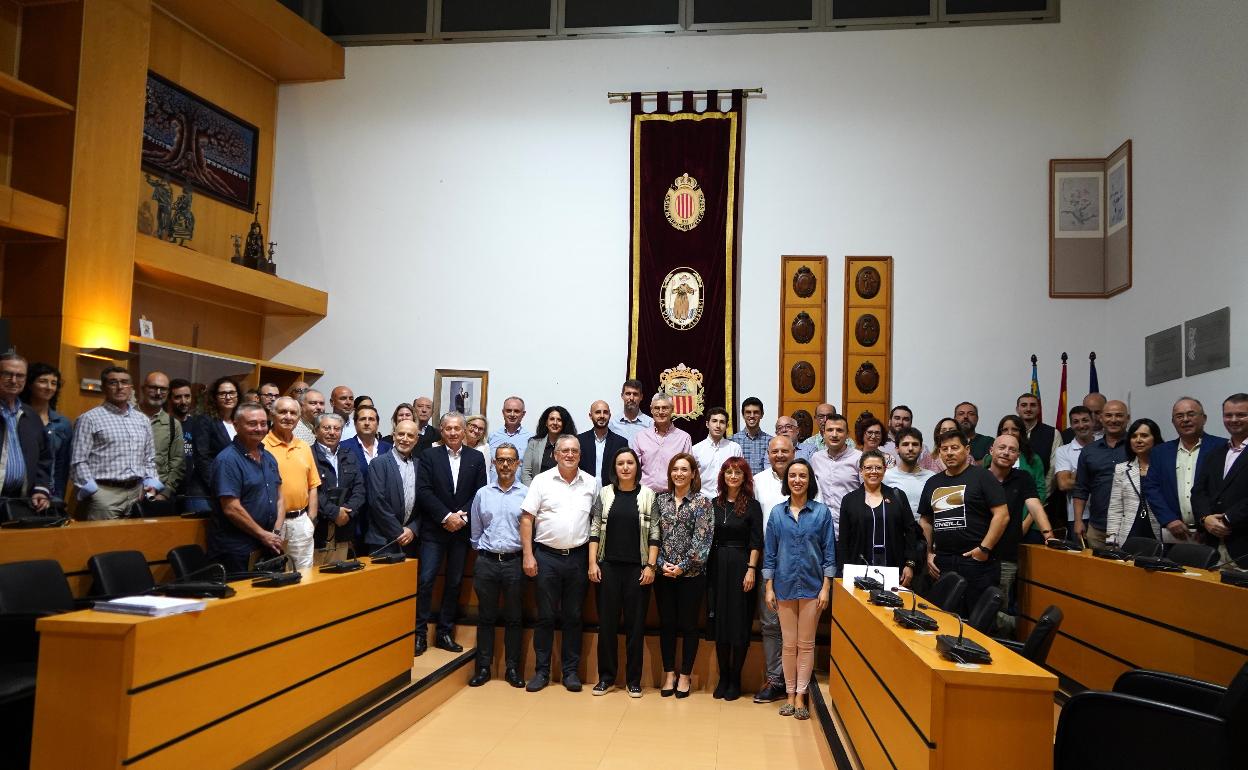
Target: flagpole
<point x="1061" y="399"/>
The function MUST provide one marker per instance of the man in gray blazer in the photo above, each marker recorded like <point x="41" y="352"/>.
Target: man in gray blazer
<point x="393" y="524"/>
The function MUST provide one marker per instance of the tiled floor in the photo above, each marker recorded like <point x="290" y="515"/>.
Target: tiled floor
<point x="499" y="726"/>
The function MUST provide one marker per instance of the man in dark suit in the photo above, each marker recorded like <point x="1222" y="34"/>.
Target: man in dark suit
<point x="341" y="493"/>
<point x="27" y="473"/>
<point x="391" y="484"/>
<point x="426" y="431"/>
<point x="1220" y="494"/>
<point x="447" y="481"/>
<point x="599" y="444"/>
<point x="1174" y="466"/>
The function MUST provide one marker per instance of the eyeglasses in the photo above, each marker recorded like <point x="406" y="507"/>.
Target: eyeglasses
<point x="117" y="383"/>
<point x="873" y="469"/>
<point x="505" y="461"/>
<point x="299" y="391"/>
<point x="155" y="389"/>
<point x="227" y="394"/>
<point x="12" y="376"/>
<point x="567" y="451"/>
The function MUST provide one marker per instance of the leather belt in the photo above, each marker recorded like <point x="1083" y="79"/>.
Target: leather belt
<point x="119" y="483"/>
<point x="497" y="556"/>
<point x="295" y="514"/>
<point x="560" y="551"/>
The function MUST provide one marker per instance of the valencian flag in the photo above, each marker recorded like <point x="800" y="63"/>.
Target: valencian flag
<point x="1035" y="388"/>
<point x="1061" y="400"/>
<point x="686" y="178"/>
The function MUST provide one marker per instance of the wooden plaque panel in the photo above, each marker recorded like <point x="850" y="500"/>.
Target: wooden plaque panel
<point x="814" y="350"/>
<point x="868" y="291"/>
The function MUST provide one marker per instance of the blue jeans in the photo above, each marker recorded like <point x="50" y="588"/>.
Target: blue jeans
<point x="432" y="554"/>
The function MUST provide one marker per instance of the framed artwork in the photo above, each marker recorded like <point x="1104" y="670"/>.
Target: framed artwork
<point x="460" y="390"/>
<point x="197" y="143"/>
<point x="1207" y="342"/>
<point x="1077" y="205"/>
<point x="1163" y="356"/>
<point x="1117" y="195"/>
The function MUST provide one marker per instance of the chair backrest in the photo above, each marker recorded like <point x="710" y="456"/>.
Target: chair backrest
<point x="1142" y="546"/>
<point x="1193" y="555"/>
<point x="34" y="586"/>
<point x="1175" y="689"/>
<point x="984" y="614"/>
<point x="1151" y="726"/>
<point x="120" y="573"/>
<point x="946" y="593"/>
<point x="1040" y="640"/>
<point x="1234" y="709"/>
<point x="188" y="560"/>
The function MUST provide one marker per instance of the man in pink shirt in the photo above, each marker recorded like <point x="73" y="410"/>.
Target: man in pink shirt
<point x="836" y="468"/>
<point x="658" y="444"/>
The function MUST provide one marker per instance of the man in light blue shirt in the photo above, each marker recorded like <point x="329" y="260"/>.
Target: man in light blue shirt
<point x="512" y="431"/>
<point x="495" y="534"/>
<point x="632" y="421"/>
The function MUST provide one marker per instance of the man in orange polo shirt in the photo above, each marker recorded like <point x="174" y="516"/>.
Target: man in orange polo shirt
<point x="299" y="477"/>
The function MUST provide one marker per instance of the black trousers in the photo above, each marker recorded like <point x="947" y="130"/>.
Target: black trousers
<point x="680" y="601"/>
<point x="432" y="554"/>
<point x="620" y="590"/>
<point x="979" y="577"/>
<point x="562" y="580"/>
<point x="491" y="579"/>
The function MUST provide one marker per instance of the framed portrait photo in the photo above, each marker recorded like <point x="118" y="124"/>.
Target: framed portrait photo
<point x="460" y="390"/>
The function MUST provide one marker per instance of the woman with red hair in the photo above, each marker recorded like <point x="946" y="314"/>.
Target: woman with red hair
<point x="735" y="557"/>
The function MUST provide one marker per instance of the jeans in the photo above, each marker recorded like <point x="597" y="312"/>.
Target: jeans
<point x="432" y="553"/>
<point x="620" y="590"/>
<point x="1006" y="619"/>
<point x="769" y="625"/>
<point x="562" y="581"/>
<point x="979" y="575"/>
<point x="492" y="578"/>
<point x="679" y="600"/>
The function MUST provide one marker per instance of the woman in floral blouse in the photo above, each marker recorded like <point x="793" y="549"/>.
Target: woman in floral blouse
<point x="686" y="529"/>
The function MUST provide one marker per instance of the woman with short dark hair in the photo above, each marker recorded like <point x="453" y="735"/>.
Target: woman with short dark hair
<point x="1129" y="513"/>
<point x="539" y="454"/>
<point x="212" y="432"/>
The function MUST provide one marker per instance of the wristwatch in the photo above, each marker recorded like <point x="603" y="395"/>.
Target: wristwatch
<point x="985" y="549"/>
<point x="910" y="563"/>
<point x="651" y="566"/>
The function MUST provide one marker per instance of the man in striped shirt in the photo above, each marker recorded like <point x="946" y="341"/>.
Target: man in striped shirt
<point x="114" y="457"/>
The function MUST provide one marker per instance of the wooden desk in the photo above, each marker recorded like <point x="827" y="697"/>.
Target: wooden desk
<point x="72" y="545"/>
<point x="1117" y="617"/>
<point x="904" y="706"/>
<point x="225" y="685"/>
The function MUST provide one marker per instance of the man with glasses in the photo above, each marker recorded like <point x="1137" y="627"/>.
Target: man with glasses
<point x="166" y="433"/>
<point x="114" y="457"/>
<point x="25" y="458"/>
<point x="787" y="426"/>
<point x="1173" y="468"/>
<point x="657" y="445"/>
<point x="814" y="444"/>
<point x="269" y="393"/>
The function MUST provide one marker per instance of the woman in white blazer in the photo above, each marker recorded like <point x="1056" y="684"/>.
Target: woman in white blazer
<point x="1129" y="513"/>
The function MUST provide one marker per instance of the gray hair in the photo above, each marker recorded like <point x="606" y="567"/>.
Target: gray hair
<point x="568" y="437"/>
<point x="323" y="416"/>
<point x="660" y="396"/>
<point x="249" y="406"/>
<point x="1193" y="400"/>
<point x="280" y="399"/>
<point x="506" y="445"/>
<point x="452" y="416"/>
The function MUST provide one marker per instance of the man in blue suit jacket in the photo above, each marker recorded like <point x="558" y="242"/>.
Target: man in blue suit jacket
<point x="447" y="481"/>
<point x="1174" y="466"/>
<point x="391" y="484"/>
<point x="1220" y="494"/>
<point x="366" y="422"/>
<point x="600" y="434"/>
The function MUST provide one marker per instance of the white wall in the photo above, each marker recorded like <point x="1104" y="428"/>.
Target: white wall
<point x="467" y="205"/>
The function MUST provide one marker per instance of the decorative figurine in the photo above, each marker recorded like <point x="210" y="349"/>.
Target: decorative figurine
<point x="253" y="252"/>
<point x="147" y="222"/>
<point x="162" y="193"/>
<point x="269" y="266"/>
<point x="238" y="254"/>
<point x="182" y="225"/>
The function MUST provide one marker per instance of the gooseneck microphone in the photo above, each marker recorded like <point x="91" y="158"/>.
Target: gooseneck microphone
<point x="391" y="558"/>
<point x="913" y="618"/>
<point x="866" y="583"/>
<point x="960" y="649"/>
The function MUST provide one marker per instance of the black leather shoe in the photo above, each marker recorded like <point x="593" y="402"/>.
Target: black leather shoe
<point x="481" y="677"/>
<point x="572" y="682"/>
<point x="422" y="644"/>
<point x="732" y="691"/>
<point x="512" y="677"/>
<point x="445" y="642"/>
<point x="538" y="682"/>
<point x="603" y="687"/>
<point x="771" y="693"/>
<point x="720" y="688"/>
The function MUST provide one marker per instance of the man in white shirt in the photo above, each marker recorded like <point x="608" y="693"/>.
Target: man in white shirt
<point x="342" y="402"/>
<point x="557" y="506"/>
<point x="836" y="468"/>
<point x="769" y="491"/>
<point x="1066" y="462"/>
<point x="908" y="475"/>
<point x="712" y="451"/>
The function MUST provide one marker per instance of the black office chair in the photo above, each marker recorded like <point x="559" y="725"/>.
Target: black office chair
<point x="119" y="573"/>
<point x="984" y="614"/>
<point x="189" y="560"/>
<point x="29" y="590"/>
<point x="947" y="592"/>
<point x="1038" y="643"/>
<point x="1229" y="703"/>
<point x="1193" y="555"/>
<point x="1142" y="546"/>
<point x="1148" y="729"/>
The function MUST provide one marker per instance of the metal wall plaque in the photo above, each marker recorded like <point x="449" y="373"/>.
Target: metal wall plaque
<point x="867" y="282"/>
<point x="867" y="330"/>
<point x="802" y="375"/>
<point x="802" y="328"/>
<point x="867" y="378"/>
<point x="1207" y="342"/>
<point x="1163" y="356"/>
<point x="804" y="282"/>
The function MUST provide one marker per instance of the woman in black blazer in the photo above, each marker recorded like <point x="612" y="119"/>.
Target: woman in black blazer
<point x="212" y="432"/>
<point x="877" y="526"/>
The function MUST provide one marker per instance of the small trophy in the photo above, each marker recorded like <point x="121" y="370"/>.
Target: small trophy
<point x="238" y="246"/>
<point x="268" y="265"/>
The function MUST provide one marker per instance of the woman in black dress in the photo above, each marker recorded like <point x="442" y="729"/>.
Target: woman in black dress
<point x="877" y="526"/>
<point x="735" y="555"/>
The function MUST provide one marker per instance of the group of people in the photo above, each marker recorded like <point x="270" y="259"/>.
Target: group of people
<point x="733" y="526"/>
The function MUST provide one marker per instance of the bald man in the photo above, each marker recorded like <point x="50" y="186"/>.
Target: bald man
<point x="342" y="402"/>
<point x="1094" y="477"/>
<point x="599" y="444"/>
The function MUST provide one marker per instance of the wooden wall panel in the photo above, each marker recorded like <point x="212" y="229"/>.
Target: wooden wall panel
<point x="807" y="342"/>
<point x="868" y="340"/>
<point x="176" y="318"/>
<point x="188" y="59"/>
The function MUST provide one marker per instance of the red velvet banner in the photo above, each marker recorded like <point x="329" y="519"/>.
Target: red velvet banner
<point x="686" y="176"/>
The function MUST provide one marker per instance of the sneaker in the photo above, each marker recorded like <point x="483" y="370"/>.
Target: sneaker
<point x="572" y="682"/>
<point x="603" y="687"/>
<point x="787" y="710"/>
<point x="771" y="692"/>
<point x="634" y="691"/>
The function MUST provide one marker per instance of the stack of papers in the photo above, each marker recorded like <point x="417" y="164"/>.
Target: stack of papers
<point x="151" y="606"/>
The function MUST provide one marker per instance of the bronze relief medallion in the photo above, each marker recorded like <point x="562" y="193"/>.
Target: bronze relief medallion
<point x="804" y="282"/>
<point x="805" y="424"/>
<point x="802" y="328"/>
<point x="867" y="282"/>
<point x="867" y="378"/>
<point x="802" y="375"/>
<point x="867" y="330"/>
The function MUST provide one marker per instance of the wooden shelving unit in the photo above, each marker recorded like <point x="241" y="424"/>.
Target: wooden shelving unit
<point x="207" y="365"/>
<point x="23" y="215"/>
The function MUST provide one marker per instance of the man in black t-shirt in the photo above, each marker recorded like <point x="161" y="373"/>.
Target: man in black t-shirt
<point x="963" y="516"/>
<point x="1023" y="504"/>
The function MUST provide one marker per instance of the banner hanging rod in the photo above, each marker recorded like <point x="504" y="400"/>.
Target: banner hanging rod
<point x="623" y="96"/>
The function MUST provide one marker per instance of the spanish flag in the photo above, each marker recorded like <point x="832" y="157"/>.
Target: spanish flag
<point x="1061" y="400"/>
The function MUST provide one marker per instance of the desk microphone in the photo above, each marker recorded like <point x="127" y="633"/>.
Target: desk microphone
<point x="1158" y="564"/>
<point x="390" y="558"/>
<point x="1232" y="575"/>
<point x="913" y="618"/>
<point x="960" y="649"/>
<point x="276" y="564"/>
<point x="271" y="574"/>
<point x="186" y="586"/>
<point x="866" y="583"/>
<point x="885" y="598"/>
<point x="215" y="566"/>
